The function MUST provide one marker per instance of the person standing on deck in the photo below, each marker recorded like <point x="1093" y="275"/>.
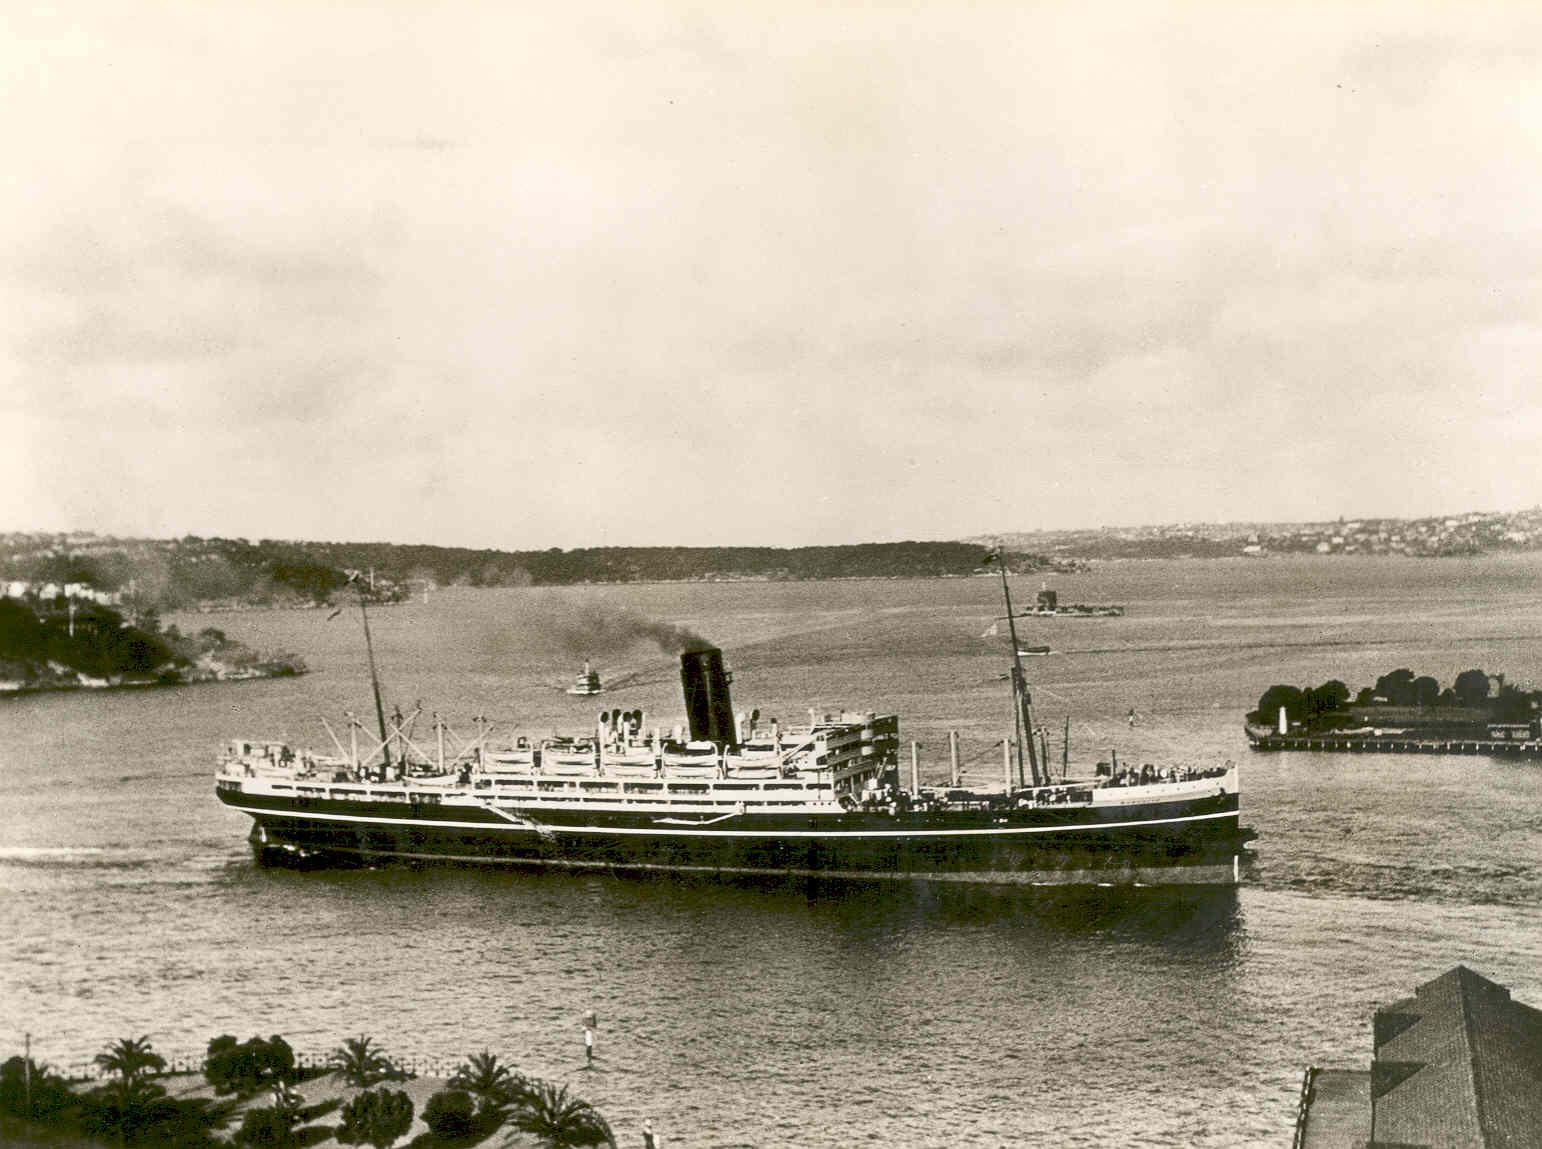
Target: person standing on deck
<point x="650" y="1139"/>
<point x="588" y="1046"/>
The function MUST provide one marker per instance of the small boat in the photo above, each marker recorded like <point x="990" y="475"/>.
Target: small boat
<point x="588" y="682"/>
<point x="1049" y="605"/>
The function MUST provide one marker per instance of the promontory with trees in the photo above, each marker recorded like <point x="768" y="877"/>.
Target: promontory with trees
<point x="1475" y="701"/>
<point x="63" y="643"/>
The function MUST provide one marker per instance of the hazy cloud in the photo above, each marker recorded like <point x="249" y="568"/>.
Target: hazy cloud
<point x="605" y="274"/>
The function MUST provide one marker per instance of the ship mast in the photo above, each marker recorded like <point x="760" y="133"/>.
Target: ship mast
<point x="374" y="677"/>
<point x="1022" y="701"/>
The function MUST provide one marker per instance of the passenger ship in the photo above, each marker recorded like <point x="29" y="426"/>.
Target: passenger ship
<point x="734" y="797"/>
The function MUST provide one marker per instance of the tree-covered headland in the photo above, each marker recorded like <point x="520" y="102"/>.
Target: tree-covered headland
<point x="1473" y="698"/>
<point x="61" y="644"/>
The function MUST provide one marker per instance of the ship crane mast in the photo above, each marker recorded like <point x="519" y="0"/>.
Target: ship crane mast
<point x="1022" y="701"/>
<point x="374" y="677"/>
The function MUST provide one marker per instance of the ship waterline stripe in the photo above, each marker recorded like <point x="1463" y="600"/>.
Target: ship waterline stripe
<point x="1219" y="873"/>
<point x="681" y="831"/>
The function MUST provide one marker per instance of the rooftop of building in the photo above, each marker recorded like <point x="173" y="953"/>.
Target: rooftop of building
<point x="1458" y="1064"/>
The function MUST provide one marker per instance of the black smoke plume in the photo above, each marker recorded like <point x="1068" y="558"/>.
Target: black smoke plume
<point x="592" y="630"/>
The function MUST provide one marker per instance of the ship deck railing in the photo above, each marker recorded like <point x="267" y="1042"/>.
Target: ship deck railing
<point x="803" y="755"/>
<point x="1127" y="794"/>
<point x="536" y="788"/>
<point x="1064" y="794"/>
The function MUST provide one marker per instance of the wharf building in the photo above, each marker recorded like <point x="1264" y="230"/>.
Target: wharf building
<point x="1456" y="1066"/>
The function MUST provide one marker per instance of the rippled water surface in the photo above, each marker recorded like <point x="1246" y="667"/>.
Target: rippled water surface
<point x="753" y="1014"/>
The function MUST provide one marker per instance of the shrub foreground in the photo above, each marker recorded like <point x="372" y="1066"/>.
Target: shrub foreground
<point x="131" y="1107"/>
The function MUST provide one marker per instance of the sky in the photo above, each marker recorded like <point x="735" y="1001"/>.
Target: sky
<point x="586" y="274"/>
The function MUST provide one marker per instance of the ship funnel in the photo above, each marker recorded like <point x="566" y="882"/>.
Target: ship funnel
<point x="708" y="705"/>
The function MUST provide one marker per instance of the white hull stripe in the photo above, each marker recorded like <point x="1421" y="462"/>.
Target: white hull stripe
<point x="682" y="832"/>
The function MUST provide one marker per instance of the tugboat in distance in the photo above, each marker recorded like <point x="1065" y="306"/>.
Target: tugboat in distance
<point x="1049" y="605"/>
<point x="588" y="683"/>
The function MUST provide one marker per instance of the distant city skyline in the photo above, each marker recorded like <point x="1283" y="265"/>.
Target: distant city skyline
<point x="612" y="274"/>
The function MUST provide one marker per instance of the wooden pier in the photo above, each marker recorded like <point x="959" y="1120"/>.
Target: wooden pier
<point x="1398" y="744"/>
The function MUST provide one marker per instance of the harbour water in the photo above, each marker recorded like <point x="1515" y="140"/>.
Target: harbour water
<point x="758" y="1015"/>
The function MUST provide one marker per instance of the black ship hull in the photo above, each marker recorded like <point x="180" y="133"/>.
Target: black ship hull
<point x="1191" y="842"/>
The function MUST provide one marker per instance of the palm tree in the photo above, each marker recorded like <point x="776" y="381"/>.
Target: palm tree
<point x="480" y="1074"/>
<point x="131" y="1058"/>
<point x="130" y="1104"/>
<point x="361" y="1065"/>
<point x="560" y="1121"/>
<point x="493" y="1084"/>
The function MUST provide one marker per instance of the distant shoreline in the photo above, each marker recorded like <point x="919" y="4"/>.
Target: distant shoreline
<point x="10" y="688"/>
<point x="263" y="608"/>
<point x="1088" y="566"/>
<point x="1070" y="568"/>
